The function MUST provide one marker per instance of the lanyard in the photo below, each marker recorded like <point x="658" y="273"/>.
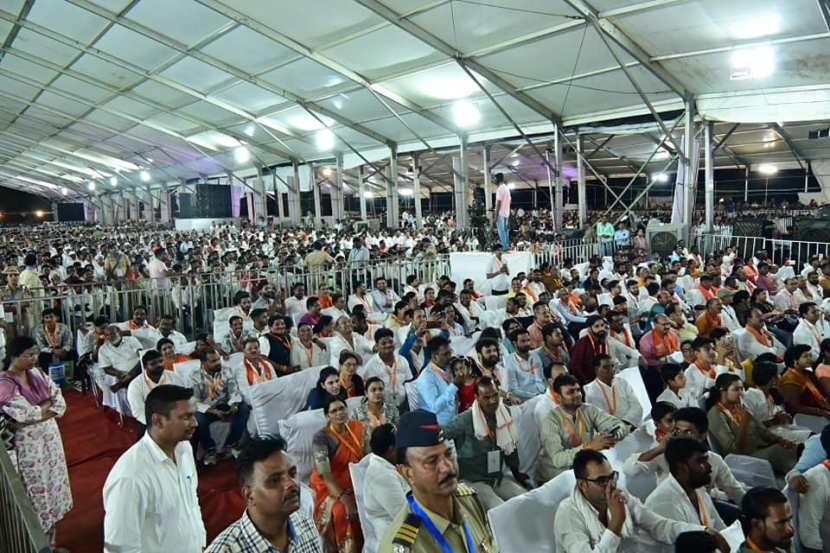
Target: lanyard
<point x="440" y="372"/>
<point x="612" y="405"/>
<point x="433" y="530"/>
<point x="701" y="511"/>
<point x="520" y="362"/>
<point x="354" y="447"/>
<point x="752" y="546"/>
<point x="576" y="439"/>
<point x="392" y="371"/>
<point x="214" y="385"/>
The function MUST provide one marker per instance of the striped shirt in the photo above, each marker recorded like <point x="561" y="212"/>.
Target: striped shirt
<point x="243" y="537"/>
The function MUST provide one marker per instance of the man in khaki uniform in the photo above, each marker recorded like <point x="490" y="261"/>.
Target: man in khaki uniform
<point x="440" y="514"/>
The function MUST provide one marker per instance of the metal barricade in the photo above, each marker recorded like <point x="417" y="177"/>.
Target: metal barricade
<point x="778" y="250"/>
<point x="20" y="531"/>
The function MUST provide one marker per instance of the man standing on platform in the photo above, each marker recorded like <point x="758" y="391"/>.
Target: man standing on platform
<point x="503" y="211"/>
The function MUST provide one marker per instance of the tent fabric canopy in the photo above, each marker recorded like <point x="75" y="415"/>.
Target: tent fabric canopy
<point x="96" y="89"/>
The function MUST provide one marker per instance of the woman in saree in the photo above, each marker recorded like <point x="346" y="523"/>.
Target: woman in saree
<point x="736" y="431"/>
<point x="32" y="401"/>
<point x="801" y="389"/>
<point x="374" y="411"/>
<point x="341" y="442"/>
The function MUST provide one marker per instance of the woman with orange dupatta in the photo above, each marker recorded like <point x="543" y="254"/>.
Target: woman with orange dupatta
<point x="341" y="442"/>
<point x="801" y="389"/>
<point x="736" y="431"/>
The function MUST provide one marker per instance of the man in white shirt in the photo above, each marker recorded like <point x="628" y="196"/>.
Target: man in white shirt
<point x="759" y="340"/>
<point x="502" y="210"/>
<point x="785" y="300"/>
<point x="345" y="339"/>
<point x="682" y="496"/>
<point x="599" y="516"/>
<point x="613" y="395"/>
<point x="807" y="332"/>
<point x="702" y="372"/>
<point x="150" y="500"/>
<point x="118" y="357"/>
<point x="166" y="330"/>
<point x="498" y="273"/>
<point x="360" y="297"/>
<point x="295" y="305"/>
<point x="384" y="489"/>
<point x="383" y="297"/>
<point x="728" y="318"/>
<point x="337" y="308"/>
<point x="388" y="366"/>
<point x="153" y="375"/>
<point x="158" y="271"/>
<point x="814" y="507"/>
<point x="469" y="310"/>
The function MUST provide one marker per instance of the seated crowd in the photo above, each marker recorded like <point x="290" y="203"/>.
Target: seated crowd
<point x="607" y="372"/>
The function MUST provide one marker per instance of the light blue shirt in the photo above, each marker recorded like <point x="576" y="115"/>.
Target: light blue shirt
<point x="437" y="395"/>
<point x="812" y="455"/>
<point x="379" y="299"/>
<point x="521" y="382"/>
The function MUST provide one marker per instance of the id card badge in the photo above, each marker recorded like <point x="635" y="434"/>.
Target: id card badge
<point x="494" y="461"/>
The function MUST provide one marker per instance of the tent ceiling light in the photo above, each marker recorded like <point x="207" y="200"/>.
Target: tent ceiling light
<point x="324" y="139"/>
<point x="242" y="154"/>
<point x="145" y="176"/>
<point x="465" y="114"/>
<point x="406" y="191"/>
<point x="91" y="186"/>
<point x="114" y="181"/>
<point x="753" y="63"/>
<point x="660" y="177"/>
<point x="767" y="169"/>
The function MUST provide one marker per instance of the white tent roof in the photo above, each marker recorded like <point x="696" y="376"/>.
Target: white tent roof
<point x="94" y="88"/>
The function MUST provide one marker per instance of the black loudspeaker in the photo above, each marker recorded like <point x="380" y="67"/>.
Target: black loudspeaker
<point x="210" y="201"/>
<point x="70" y="212"/>
<point x="748" y="227"/>
<point x="183" y="206"/>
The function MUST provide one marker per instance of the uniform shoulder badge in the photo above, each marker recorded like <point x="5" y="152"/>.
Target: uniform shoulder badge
<point x="407" y="534"/>
<point x="463" y="490"/>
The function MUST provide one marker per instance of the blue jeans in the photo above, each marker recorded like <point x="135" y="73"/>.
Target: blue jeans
<point x="238" y="423"/>
<point x="504" y="234"/>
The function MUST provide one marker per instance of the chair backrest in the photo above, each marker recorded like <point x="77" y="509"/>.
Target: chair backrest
<point x="528" y="433"/>
<point x="186" y="348"/>
<point x="517" y="526"/>
<point x="412" y="396"/>
<point x="794" y="500"/>
<point x="280" y="398"/>
<point x="751" y="471"/>
<point x="635" y="380"/>
<point x="462" y="345"/>
<point x="186" y="368"/>
<point x="358" y="472"/>
<point x="814" y="423"/>
<point x="493" y="303"/>
<point x="298" y="432"/>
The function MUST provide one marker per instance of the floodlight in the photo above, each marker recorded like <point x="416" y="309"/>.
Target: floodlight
<point x="465" y="114"/>
<point x="324" y="139"/>
<point x="242" y="154"/>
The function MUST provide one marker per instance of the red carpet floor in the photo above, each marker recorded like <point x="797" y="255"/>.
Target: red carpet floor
<point x="93" y="441"/>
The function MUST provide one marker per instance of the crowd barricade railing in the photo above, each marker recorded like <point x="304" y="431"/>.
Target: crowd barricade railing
<point x="192" y="299"/>
<point x="20" y="530"/>
<point x="779" y="250"/>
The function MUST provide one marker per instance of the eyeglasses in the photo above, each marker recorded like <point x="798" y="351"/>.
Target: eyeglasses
<point x="603" y="480"/>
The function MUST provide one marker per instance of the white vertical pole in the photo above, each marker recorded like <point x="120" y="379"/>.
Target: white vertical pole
<point x="488" y="185"/>
<point x="581" y="192"/>
<point x="362" y="191"/>
<point x="710" y="176"/>
<point x="416" y="190"/>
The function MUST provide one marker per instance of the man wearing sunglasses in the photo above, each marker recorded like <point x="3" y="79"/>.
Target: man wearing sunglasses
<point x="606" y="517"/>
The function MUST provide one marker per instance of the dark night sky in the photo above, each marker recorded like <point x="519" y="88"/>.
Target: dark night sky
<point x="14" y="204"/>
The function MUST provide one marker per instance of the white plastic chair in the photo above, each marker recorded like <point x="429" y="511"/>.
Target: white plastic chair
<point x="528" y="433"/>
<point x="358" y="472"/>
<point x="751" y="471"/>
<point x="814" y="423"/>
<point x="494" y="303"/>
<point x="280" y="398"/>
<point x="635" y="380"/>
<point x="794" y="499"/>
<point x="517" y="524"/>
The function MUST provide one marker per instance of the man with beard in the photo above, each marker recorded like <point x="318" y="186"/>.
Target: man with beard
<point x="485" y="362"/>
<point x="769" y="519"/>
<point x="271" y="490"/>
<point x="118" y="357"/>
<point x="440" y="514"/>
<point x="267" y="297"/>
<point x="153" y="375"/>
<point x="554" y="348"/>
<point x="150" y="500"/>
<point x="682" y="495"/>
<point x="588" y="347"/>
<point x="523" y="369"/>
<point x="571" y="427"/>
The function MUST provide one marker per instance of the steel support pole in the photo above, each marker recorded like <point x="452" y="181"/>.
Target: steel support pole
<point x="691" y="172"/>
<point x="260" y="200"/>
<point x="165" y="215"/>
<point x="746" y="184"/>
<point x="294" y="204"/>
<point x="581" y="192"/>
<point x="392" y="205"/>
<point x="550" y="190"/>
<point x="338" y="206"/>
<point x="460" y="186"/>
<point x="149" y="206"/>
<point x="416" y="190"/>
<point x="315" y="188"/>
<point x="557" y="183"/>
<point x="710" y="175"/>
<point x="362" y="192"/>
<point x="488" y="185"/>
